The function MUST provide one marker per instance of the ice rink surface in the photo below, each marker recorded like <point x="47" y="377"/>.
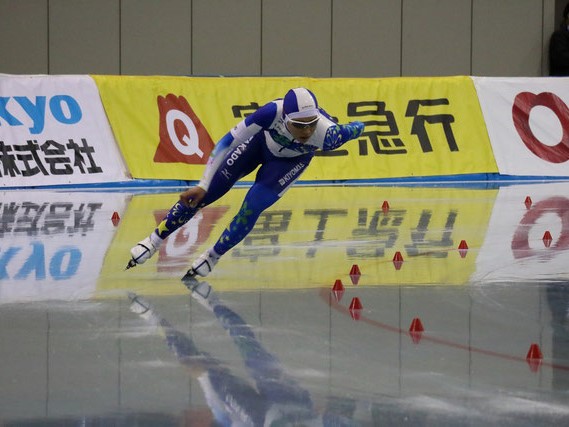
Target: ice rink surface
<point x="444" y="337"/>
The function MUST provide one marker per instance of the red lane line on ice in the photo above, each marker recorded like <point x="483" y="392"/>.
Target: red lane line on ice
<point x="327" y="296"/>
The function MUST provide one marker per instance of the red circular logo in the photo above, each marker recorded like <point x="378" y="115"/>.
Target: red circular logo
<point x="523" y="104"/>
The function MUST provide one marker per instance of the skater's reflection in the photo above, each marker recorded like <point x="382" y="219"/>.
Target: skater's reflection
<point x="276" y="399"/>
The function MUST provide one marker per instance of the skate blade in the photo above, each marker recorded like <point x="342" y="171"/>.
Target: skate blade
<point x="189" y="278"/>
<point x="131" y="263"/>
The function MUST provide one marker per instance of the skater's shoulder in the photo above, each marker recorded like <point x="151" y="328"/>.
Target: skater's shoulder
<point x="264" y="116"/>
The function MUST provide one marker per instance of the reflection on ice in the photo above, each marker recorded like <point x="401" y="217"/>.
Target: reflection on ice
<point x="277" y="342"/>
<point x="53" y="243"/>
<point x="514" y="248"/>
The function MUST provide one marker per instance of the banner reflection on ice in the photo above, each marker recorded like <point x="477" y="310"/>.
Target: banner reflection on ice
<point x="52" y="244"/>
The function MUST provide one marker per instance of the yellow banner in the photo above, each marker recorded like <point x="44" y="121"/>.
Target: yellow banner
<point x="312" y="237"/>
<point x="166" y="126"/>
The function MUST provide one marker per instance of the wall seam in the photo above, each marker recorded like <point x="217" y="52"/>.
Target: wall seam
<point x="543" y="57"/>
<point x="120" y="37"/>
<point x="331" y="37"/>
<point x="401" y="42"/>
<point x="48" y="53"/>
<point x="471" y="35"/>
<point x="261" y="41"/>
<point x="191" y="38"/>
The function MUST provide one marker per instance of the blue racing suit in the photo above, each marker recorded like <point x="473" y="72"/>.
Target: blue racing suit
<point x="261" y="139"/>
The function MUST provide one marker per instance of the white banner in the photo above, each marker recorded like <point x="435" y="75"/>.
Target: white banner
<point x="53" y="130"/>
<point x="514" y="248"/>
<point x="52" y="244"/>
<point x="528" y="124"/>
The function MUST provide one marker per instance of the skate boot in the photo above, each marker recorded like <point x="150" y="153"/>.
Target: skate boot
<point x="202" y="266"/>
<point x="142" y="252"/>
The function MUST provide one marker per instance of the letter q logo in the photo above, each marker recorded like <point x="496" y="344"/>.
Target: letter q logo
<point x="183" y="137"/>
<point x="523" y="105"/>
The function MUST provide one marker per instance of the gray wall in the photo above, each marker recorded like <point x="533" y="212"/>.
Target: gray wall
<point x="320" y="38"/>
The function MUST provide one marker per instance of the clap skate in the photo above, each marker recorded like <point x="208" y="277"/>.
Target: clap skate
<point x="201" y="266"/>
<point x="141" y="253"/>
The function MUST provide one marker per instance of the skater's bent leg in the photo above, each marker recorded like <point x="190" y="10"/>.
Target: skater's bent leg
<point x="180" y="213"/>
<point x="177" y="216"/>
<point x="221" y="182"/>
<point x="258" y="198"/>
<point x="273" y="179"/>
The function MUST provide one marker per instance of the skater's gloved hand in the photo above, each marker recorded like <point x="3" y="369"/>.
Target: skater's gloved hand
<point x="193" y="196"/>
